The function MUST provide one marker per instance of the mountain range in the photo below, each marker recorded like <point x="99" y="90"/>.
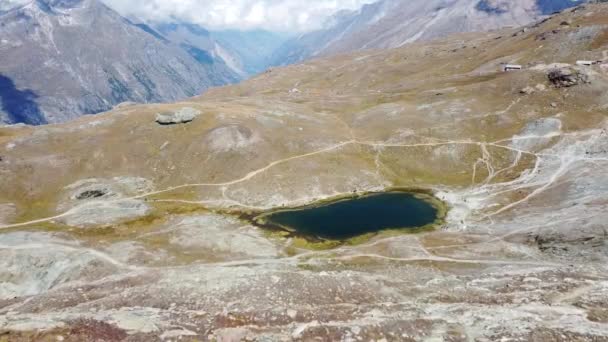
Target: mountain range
<point x="61" y="59"/>
<point x="64" y="58"/>
<point x="394" y="23"/>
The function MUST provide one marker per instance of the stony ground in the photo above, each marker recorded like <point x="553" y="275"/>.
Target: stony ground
<point x="115" y="227"/>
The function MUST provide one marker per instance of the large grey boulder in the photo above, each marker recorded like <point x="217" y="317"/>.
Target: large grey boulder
<point x="184" y="115"/>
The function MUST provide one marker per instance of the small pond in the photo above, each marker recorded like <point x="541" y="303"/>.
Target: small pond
<point x="351" y="217"/>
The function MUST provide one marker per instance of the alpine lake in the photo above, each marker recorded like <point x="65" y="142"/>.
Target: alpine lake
<point x="354" y="216"/>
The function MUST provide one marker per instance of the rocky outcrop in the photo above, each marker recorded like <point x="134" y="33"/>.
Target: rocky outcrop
<point x="184" y="115"/>
<point x="566" y="77"/>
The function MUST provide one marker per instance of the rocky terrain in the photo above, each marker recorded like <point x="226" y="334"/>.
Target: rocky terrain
<point x="393" y="23"/>
<point x="121" y="228"/>
<point x="63" y="59"/>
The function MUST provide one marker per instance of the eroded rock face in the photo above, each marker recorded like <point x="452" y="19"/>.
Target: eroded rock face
<point x="182" y="116"/>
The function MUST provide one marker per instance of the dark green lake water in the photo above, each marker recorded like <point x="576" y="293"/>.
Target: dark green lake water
<point x="352" y="217"/>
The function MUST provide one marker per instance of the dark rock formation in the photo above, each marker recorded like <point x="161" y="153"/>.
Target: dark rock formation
<point x="566" y="77"/>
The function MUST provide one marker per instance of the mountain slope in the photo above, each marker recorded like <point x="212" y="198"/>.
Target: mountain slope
<point x="80" y="57"/>
<point x="252" y="49"/>
<point x="245" y="52"/>
<point x="393" y="23"/>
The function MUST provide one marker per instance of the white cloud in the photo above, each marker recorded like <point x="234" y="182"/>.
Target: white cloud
<point x="276" y="15"/>
<point x="7" y="4"/>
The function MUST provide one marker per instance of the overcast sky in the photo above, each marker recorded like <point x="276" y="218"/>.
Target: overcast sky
<point x="275" y="15"/>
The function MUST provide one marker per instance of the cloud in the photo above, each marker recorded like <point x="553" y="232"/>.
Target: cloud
<point x="8" y="4"/>
<point x="274" y="15"/>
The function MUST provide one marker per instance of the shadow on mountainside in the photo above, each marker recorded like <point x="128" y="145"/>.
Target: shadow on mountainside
<point x="19" y="104"/>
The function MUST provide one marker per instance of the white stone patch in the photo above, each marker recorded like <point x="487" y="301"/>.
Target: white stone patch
<point x="7" y="212"/>
<point x="142" y="320"/>
<point x="547" y="67"/>
<point x="231" y="138"/>
<point x="129" y="185"/>
<point x="479" y="208"/>
<point x="33" y="263"/>
<point x="537" y="133"/>
<point x="176" y="334"/>
<point x="29" y="322"/>
<point x="386" y="110"/>
<point x="230" y="334"/>
<point x="269" y="121"/>
<point x="451" y="152"/>
<point x="96" y="123"/>
<point x="301" y="328"/>
<point x="96" y="190"/>
<point x="427" y="106"/>
<point x="104" y="213"/>
<point x="221" y="234"/>
<point x="129" y="252"/>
